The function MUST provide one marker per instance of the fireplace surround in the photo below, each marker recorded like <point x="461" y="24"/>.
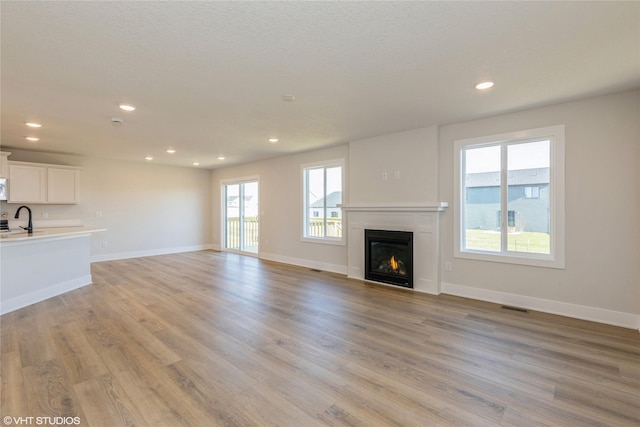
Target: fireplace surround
<point x="423" y="220"/>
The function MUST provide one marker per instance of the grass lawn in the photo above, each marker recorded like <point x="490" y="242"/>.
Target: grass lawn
<point x="526" y="241"/>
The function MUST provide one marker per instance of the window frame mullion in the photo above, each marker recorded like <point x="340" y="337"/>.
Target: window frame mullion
<point x="324" y="196"/>
<point x="504" y="198"/>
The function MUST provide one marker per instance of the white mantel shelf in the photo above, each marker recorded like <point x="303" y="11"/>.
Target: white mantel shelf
<point x="434" y="207"/>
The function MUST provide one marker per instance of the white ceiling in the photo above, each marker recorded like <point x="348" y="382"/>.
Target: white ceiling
<point x="207" y="77"/>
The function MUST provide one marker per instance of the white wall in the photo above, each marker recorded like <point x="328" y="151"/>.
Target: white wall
<point x="147" y="209"/>
<point x="413" y="155"/>
<point x="280" y="189"/>
<point x="602" y="275"/>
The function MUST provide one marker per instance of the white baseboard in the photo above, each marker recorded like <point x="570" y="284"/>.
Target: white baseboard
<point x="43" y="294"/>
<point x="333" y="268"/>
<point x="153" y="252"/>
<point x="594" y="314"/>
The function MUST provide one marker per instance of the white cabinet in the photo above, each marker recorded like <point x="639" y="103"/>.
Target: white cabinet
<point x="4" y="164"/>
<point x="63" y="185"/>
<point x="4" y="173"/>
<point x="27" y="184"/>
<point x="40" y="183"/>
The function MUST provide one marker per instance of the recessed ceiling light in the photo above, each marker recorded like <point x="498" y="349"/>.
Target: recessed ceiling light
<point x="170" y="150"/>
<point x="288" y="98"/>
<point x="484" y="85"/>
<point x="195" y="164"/>
<point x="31" y="138"/>
<point x="33" y="125"/>
<point x="148" y="158"/>
<point x="273" y="140"/>
<point x="221" y="157"/>
<point x="127" y="107"/>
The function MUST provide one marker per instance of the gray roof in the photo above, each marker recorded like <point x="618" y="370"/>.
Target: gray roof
<point x="516" y="177"/>
<point x="333" y="200"/>
<point x="234" y="199"/>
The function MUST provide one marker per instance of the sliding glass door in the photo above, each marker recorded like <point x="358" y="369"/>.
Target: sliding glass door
<point x="241" y="216"/>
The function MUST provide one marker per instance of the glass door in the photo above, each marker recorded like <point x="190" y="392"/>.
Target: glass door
<point x="241" y="216"/>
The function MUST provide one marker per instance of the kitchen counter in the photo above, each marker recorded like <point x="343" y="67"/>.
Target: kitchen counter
<point x="20" y="235"/>
<point x="44" y="264"/>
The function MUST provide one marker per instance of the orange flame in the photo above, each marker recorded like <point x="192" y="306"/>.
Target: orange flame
<point x="394" y="263"/>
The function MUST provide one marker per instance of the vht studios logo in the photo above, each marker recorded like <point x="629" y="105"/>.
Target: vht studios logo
<point x="40" y="421"/>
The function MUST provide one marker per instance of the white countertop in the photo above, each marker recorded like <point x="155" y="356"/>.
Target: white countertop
<point x="45" y="233"/>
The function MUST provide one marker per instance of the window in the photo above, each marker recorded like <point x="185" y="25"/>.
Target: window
<point x="511" y="192"/>
<point x="322" y="194"/>
<point x="532" y="192"/>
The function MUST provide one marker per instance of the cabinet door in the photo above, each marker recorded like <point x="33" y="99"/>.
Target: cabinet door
<point x="63" y="185"/>
<point x="4" y="165"/>
<point x="27" y="184"/>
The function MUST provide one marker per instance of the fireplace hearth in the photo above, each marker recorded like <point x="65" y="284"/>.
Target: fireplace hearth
<point x="389" y="257"/>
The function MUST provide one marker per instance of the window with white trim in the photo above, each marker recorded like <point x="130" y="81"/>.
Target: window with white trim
<point x="532" y="192"/>
<point x="510" y="189"/>
<point x="322" y="197"/>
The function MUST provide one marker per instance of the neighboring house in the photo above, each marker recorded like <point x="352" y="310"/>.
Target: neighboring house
<point x="233" y="206"/>
<point x="528" y="200"/>
<point x="332" y="202"/>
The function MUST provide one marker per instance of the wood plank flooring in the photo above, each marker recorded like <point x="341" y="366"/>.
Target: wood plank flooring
<point x="217" y="339"/>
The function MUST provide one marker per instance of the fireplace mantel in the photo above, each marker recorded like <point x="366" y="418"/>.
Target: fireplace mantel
<point x="399" y="207"/>
<point x="423" y="220"/>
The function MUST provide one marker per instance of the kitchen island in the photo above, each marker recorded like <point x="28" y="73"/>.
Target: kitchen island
<point x="43" y="264"/>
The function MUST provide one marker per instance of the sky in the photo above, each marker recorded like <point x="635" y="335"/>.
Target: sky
<point x="527" y="155"/>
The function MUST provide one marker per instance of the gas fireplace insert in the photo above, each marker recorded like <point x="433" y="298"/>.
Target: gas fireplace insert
<point x="389" y="257"/>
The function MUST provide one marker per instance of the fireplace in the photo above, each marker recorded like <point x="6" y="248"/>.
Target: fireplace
<point x="389" y="257"/>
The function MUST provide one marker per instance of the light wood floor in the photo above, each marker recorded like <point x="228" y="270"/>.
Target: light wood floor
<point x="209" y="338"/>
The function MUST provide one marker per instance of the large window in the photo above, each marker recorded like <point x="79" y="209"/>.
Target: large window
<point x="322" y="195"/>
<point x="511" y="193"/>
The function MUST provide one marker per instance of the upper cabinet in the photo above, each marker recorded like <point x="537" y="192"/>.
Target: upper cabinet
<point x="41" y="183"/>
<point x="4" y="164"/>
<point x="27" y="183"/>
<point x="63" y="185"/>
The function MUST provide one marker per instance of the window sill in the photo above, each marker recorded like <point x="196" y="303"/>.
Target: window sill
<point x="534" y="260"/>
<point x="324" y="241"/>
